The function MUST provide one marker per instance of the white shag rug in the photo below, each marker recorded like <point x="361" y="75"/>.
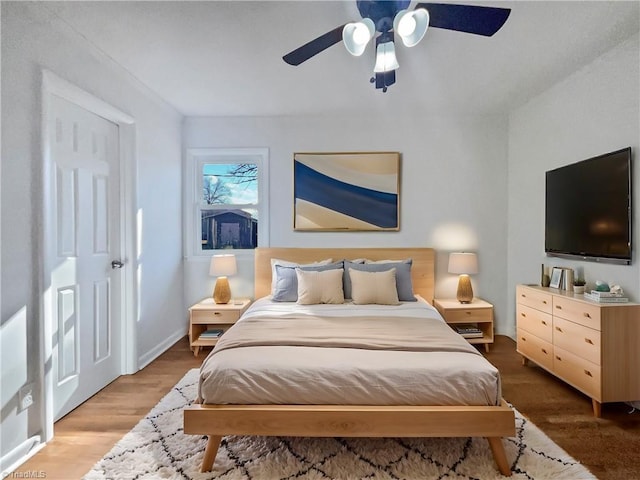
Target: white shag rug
<point x="157" y="448"/>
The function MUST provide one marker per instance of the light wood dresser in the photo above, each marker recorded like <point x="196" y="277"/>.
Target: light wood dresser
<point x="594" y="347"/>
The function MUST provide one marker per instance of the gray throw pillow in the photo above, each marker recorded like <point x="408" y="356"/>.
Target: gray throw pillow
<point x="404" y="285"/>
<point x="286" y="286"/>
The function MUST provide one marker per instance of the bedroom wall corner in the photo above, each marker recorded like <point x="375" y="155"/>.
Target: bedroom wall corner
<point x="593" y="111"/>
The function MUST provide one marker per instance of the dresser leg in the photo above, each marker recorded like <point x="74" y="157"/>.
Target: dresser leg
<point x="597" y="408"/>
<point x="525" y="361"/>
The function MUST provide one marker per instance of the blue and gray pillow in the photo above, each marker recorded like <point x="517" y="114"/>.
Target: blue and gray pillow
<point x="404" y="285"/>
<point x="286" y="287"/>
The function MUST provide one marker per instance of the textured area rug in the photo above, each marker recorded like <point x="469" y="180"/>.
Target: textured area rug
<point x="157" y="448"/>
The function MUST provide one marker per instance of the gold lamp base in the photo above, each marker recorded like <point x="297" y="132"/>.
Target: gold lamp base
<point x="222" y="291"/>
<point x="465" y="292"/>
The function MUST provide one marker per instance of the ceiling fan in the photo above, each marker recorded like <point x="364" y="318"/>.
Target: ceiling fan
<point x="383" y="19"/>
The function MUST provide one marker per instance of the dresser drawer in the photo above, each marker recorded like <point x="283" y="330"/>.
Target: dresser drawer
<point x="580" y="373"/>
<point x="535" y="349"/>
<point x="534" y="321"/>
<point x="577" y="339"/>
<point x="534" y="298"/>
<point x="577" y="311"/>
<point x="214" y="316"/>
<point x="470" y="315"/>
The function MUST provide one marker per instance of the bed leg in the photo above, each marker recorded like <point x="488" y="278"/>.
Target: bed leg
<point x="499" y="455"/>
<point x="210" y="453"/>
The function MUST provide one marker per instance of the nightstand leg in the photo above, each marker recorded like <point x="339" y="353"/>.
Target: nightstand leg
<point x="196" y="350"/>
<point x="486" y="347"/>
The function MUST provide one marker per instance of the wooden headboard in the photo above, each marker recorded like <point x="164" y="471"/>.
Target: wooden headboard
<point x="422" y="270"/>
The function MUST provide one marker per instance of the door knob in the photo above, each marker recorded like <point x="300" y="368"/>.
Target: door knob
<point x="116" y="264"/>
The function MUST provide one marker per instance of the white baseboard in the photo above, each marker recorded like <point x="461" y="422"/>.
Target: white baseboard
<point x="151" y="355"/>
<point x="16" y="457"/>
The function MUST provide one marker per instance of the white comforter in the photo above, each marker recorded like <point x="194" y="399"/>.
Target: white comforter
<point x="275" y="374"/>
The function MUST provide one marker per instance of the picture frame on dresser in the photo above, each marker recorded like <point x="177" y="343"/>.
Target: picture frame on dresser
<point x="556" y="278"/>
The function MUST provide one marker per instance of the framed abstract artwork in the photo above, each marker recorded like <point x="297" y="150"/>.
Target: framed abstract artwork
<point x="346" y="191"/>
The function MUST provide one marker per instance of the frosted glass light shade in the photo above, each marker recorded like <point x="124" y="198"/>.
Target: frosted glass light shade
<point x="411" y="25"/>
<point x="356" y="36"/>
<point x="386" y="60"/>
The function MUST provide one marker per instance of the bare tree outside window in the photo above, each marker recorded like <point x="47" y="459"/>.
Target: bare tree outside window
<point x="228" y="214"/>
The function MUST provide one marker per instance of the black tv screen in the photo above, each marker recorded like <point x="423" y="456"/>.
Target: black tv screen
<point x="588" y="209"/>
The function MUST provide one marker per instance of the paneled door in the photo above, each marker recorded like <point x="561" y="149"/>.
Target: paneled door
<point x="85" y="275"/>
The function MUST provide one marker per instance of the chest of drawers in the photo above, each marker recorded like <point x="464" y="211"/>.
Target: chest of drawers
<point x="591" y="346"/>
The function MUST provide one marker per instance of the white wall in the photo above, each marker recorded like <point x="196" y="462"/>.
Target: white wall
<point x="453" y="189"/>
<point x="594" y="111"/>
<point x="32" y="40"/>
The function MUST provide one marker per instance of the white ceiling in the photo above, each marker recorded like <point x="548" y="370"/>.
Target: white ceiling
<point x="221" y="58"/>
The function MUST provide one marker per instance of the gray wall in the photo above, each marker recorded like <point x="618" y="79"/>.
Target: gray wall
<point x="453" y="189"/>
<point x="31" y="40"/>
<point x="593" y="111"/>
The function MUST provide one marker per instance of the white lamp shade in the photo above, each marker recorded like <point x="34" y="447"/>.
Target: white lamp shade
<point x="356" y="36"/>
<point x="223" y="265"/>
<point x="386" y="60"/>
<point x="463" y="263"/>
<point x="411" y="25"/>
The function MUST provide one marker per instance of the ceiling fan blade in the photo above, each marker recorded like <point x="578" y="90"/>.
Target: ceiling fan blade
<point x="466" y="18"/>
<point x="308" y="50"/>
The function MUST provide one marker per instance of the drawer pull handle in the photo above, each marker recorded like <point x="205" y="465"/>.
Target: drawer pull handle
<point x="586" y="314"/>
<point x="588" y="373"/>
<point x="558" y="358"/>
<point x="559" y="329"/>
<point x="216" y="313"/>
<point x="523" y="315"/>
<point x="589" y="341"/>
<point x="543" y="351"/>
<point x="543" y="322"/>
<point x="523" y="339"/>
<point x="544" y="301"/>
<point x="559" y="307"/>
<point x="523" y="295"/>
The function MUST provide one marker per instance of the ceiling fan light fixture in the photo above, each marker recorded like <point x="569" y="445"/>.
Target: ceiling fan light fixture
<point x="356" y="36"/>
<point x="411" y="26"/>
<point x="386" y="60"/>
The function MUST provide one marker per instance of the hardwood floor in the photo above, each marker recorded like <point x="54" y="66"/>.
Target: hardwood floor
<point x="607" y="446"/>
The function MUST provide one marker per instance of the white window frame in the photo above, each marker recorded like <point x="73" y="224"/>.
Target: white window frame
<point x="196" y="158"/>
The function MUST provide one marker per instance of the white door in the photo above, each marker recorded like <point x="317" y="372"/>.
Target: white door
<point x="85" y="287"/>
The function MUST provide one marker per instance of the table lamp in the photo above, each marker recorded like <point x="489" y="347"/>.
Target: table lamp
<point x="464" y="264"/>
<point x="222" y="266"/>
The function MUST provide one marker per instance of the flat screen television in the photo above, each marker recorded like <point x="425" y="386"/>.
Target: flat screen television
<point x="588" y="209"/>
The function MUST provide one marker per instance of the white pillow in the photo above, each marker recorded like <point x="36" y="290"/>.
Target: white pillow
<point x="286" y="263"/>
<point x="320" y="287"/>
<point x="374" y="287"/>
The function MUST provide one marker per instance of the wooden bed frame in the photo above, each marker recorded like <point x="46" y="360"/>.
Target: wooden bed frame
<point x="492" y="422"/>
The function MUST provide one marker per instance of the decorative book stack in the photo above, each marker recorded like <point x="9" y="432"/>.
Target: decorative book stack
<point x="605" y="297"/>
<point x="469" y="331"/>
<point x="211" y="333"/>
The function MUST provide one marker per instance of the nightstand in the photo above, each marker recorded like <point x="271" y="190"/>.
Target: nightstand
<point x="206" y="314"/>
<point x="478" y="313"/>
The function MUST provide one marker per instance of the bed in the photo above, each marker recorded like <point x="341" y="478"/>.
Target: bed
<point x="254" y="405"/>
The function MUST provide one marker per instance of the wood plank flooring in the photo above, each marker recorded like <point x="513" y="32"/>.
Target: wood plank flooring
<point x="607" y="446"/>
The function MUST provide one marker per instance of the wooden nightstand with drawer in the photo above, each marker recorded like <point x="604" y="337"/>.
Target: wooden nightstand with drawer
<point x="206" y="315"/>
<point x="478" y="313"/>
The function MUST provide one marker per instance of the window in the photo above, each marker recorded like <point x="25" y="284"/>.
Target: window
<point x="227" y="194"/>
